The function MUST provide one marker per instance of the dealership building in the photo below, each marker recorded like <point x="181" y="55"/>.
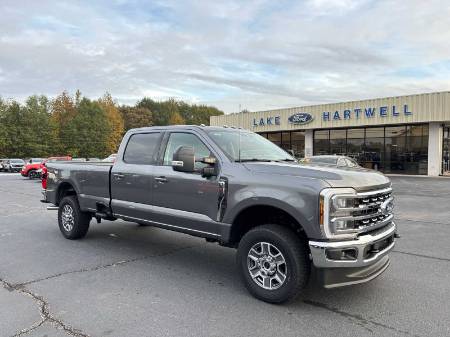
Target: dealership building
<point x="402" y="134"/>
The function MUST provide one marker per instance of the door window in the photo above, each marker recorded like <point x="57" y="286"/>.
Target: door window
<point x="341" y="162"/>
<point x="178" y="139"/>
<point x="141" y="148"/>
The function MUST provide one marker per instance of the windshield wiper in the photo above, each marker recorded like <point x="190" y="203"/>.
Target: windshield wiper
<point x="286" y="159"/>
<point x="251" y="159"/>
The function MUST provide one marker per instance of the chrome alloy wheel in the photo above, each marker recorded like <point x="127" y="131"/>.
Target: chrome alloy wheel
<point x="266" y="265"/>
<point x="67" y="218"/>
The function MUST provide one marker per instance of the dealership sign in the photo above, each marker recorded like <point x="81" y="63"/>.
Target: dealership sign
<point x="297" y="119"/>
<point x="383" y="111"/>
<point x="300" y="118"/>
<point x="271" y="120"/>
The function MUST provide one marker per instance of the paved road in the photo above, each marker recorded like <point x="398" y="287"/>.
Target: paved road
<point x="126" y="280"/>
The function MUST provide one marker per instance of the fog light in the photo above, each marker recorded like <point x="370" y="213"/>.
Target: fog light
<point x="342" y="254"/>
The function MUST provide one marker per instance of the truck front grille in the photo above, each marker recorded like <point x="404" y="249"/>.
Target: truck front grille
<point x="370" y="210"/>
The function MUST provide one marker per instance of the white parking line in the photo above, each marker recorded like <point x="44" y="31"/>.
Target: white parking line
<point x="10" y="174"/>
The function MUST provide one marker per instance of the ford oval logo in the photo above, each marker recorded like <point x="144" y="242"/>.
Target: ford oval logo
<point x="300" y="118"/>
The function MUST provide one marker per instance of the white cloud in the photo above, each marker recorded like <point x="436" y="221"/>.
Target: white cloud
<point x="260" y="54"/>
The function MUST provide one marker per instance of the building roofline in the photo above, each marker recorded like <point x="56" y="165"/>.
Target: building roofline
<point x="334" y="103"/>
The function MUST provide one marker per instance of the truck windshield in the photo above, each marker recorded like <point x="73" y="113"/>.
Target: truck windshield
<point x="241" y="146"/>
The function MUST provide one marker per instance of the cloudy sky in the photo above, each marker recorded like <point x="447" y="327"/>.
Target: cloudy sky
<point x="258" y="54"/>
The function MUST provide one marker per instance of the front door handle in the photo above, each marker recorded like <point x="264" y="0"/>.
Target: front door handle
<point x="118" y="176"/>
<point x="161" y="179"/>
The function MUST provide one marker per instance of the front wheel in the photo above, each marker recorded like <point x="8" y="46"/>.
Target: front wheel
<point x="73" y="223"/>
<point x="273" y="262"/>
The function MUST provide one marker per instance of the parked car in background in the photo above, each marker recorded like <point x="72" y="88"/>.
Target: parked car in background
<point x="2" y="164"/>
<point x="332" y="160"/>
<point x="111" y="158"/>
<point x="14" y="165"/>
<point x="31" y="167"/>
<point x="53" y="159"/>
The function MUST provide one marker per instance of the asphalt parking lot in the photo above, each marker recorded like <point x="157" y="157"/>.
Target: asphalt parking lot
<point x="127" y="280"/>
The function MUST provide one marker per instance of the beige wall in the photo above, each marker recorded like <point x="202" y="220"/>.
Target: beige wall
<point x="432" y="107"/>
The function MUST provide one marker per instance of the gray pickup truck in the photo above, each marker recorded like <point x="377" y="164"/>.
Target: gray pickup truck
<point x="288" y="221"/>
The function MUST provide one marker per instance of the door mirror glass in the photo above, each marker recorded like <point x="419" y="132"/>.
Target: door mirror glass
<point x="184" y="159"/>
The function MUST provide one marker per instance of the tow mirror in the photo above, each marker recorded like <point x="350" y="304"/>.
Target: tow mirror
<point x="184" y="159"/>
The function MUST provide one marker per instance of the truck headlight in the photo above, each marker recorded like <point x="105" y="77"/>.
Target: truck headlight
<point x="336" y="213"/>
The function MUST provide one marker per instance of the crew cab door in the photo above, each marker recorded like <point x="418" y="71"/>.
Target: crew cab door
<point x="132" y="176"/>
<point x="185" y="200"/>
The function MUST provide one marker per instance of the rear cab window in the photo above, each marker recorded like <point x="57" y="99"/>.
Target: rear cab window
<point x="142" y="148"/>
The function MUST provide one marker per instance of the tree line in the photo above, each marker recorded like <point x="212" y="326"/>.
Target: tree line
<point x="81" y="127"/>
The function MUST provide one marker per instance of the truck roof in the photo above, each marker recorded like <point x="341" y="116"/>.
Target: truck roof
<point x="181" y="127"/>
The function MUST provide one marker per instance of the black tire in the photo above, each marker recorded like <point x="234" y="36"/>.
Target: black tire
<point x="297" y="266"/>
<point x="31" y="174"/>
<point x="77" y="228"/>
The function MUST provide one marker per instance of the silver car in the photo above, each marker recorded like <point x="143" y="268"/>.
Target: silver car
<point x="332" y="160"/>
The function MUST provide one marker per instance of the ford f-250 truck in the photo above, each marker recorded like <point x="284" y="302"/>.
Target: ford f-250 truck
<point x="236" y="188"/>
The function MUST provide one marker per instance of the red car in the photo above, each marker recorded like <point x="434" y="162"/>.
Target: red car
<point x="34" y="165"/>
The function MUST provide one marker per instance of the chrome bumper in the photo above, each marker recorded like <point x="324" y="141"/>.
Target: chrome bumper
<point x="320" y="250"/>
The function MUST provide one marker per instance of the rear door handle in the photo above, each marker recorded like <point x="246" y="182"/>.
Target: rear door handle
<point x="118" y="176"/>
<point x="161" y="179"/>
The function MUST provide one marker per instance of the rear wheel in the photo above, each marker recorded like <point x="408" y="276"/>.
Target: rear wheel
<point x="32" y="174"/>
<point x="73" y="223"/>
<point x="273" y="262"/>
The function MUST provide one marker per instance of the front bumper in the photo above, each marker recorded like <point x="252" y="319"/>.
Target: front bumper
<point x="356" y="261"/>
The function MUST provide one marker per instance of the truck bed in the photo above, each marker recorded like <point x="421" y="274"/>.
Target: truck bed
<point x="91" y="179"/>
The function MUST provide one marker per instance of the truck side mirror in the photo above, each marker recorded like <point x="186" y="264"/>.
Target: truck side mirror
<point x="184" y="159"/>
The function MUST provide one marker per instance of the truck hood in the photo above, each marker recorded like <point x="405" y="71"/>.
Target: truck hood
<point x="360" y="179"/>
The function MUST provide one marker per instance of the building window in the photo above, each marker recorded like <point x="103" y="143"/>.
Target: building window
<point x="355" y="144"/>
<point x="446" y="151"/>
<point x="298" y="144"/>
<point x="286" y="140"/>
<point x="373" y="154"/>
<point x="338" y="141"/>
<point x="275" y="137"/>
<point x="391" y="149"/>
<point x="321" y="142"/>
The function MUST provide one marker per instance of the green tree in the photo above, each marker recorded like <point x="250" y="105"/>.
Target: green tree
<point x="115" y="121"/>
<point x="135" y="117"/>
<point x="87" y="132"/>
<point x="42" y="130"/>
<point x="176" y="119"/>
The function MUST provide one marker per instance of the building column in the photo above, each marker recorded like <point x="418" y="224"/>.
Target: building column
<point x="435" y="149"/>
<point x="309" y="143"/>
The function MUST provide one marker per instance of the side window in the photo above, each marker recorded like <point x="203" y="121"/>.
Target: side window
<point x="341" y="162"/>
<point x="178" y="139"/>
<point x="141" y="148"/>
<point x="350" y="163"/>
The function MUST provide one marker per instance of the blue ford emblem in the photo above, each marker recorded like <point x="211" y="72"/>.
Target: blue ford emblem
<point x="300" y="118"/>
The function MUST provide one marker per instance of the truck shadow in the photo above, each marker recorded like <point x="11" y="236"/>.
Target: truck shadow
<point x="195" y="257"/>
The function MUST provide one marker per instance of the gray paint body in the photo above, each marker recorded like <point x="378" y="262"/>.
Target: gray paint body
<point x="188" y="202"/>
